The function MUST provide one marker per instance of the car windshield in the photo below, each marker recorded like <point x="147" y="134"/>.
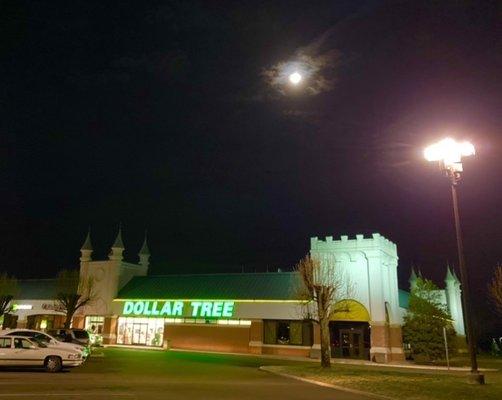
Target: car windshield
<point x="81" y="334"/>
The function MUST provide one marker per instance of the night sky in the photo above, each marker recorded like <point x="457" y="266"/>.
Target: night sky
<point x="168" y="116"/>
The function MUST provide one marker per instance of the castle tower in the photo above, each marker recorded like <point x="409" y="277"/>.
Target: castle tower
<point x="454" y="300"/>
<point x="86" y="249"/>
<point x="449" y="275"/>
<point x="370" y="264"/>
<point x="413" y="279"/>
<point x="144" y="254"/>
<point x="117" y="247"/>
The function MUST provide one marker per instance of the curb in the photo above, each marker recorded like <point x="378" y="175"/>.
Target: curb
<point x="328" y="385"/>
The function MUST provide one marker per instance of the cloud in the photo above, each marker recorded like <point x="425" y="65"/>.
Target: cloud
<point x="316" y="64"/>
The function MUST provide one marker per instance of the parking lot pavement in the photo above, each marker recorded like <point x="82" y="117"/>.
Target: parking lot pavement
<point x="141" y="374"/>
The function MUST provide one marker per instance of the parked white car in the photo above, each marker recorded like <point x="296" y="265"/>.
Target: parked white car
<point x="22" y="351"/>
<point x="46" y="339"/>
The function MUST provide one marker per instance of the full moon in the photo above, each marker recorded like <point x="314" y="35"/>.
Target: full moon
<point x="295" y="78"/>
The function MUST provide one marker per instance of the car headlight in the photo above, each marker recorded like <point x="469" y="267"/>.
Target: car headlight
<point x="74" y="356"/>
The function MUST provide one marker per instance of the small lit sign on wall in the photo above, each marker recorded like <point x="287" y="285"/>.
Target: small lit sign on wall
<point x="16" y="307"/>
<point x="178" y="308"/>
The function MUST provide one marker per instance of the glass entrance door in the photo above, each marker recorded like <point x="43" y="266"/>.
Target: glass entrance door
<point x="350" y="339"/>
<point x="351" y="343"/>
<point x="139" y="332"/>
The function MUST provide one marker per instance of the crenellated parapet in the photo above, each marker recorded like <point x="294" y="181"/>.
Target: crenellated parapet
<point x="376" y="242"/>
<point x="370" y="264"/>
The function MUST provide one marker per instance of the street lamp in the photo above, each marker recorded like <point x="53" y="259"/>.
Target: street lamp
<point x="448" y="153"/>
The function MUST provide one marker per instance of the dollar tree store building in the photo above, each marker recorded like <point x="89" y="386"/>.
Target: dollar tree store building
<point x="258" y="313"/>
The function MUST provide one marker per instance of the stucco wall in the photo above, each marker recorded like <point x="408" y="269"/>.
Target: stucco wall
<point x="369" y="265"/>
<point x="106" y="277"/>
<point x="109" y="277"/>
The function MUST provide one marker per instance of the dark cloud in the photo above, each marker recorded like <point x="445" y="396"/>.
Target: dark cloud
<point x="317" y="66"/>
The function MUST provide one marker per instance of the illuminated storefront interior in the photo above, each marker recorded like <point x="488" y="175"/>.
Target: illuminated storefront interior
<point x="140" y="331"/>
<point x="150" y="331"/>
<point x="95" y="325"/>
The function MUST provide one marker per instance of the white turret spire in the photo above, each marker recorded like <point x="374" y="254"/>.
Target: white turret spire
<point x="449" y="275"/>
<point x="86" y="249"/>
<point x="117" y="247"/>
<point x="144" y="253"/>
<point x="413" y="278"/>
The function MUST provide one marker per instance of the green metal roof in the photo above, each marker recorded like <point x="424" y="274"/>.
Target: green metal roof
<point x="244" y="286"/>
<point x="36" y="289"/>
<point x="404" y="298"/>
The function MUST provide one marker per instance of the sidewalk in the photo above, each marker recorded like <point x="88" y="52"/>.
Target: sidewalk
<point x="405" y="364"/>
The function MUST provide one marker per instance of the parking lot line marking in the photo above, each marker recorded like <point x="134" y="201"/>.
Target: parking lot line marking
<point x="66" y="394"/>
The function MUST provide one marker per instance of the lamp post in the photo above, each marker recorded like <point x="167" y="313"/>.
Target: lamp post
<point x="449" y="154"/>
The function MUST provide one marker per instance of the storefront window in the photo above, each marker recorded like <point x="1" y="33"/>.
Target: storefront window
<point x="150" y="331"/>
<point x="140" y="331"/>
<point x="94" y="324"/>
<point x="287" y="332"/>
<point x="283" y="332"/>
<point x="44" y="321"/>
<point x="295" y="333"/>
<point x="230" y="322"/>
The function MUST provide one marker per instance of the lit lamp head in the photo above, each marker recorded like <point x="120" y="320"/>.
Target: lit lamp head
<point x="449" y="153"/>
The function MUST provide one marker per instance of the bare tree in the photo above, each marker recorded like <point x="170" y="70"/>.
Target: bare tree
<point x="495" y="289"/>
<point x="73" y="293"/>
<point x="322" y="286"/>
<point x="8" y="289"/>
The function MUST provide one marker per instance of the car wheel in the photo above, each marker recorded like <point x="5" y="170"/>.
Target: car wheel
<point x="53" y="364"/>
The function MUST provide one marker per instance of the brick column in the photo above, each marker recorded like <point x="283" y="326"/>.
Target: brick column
<point x="396" y="343"/>
<point x="110" y="330"/>
<point x="315" y="351"/>
<point x="256" y="337"/>
<point x="380" y="346"/>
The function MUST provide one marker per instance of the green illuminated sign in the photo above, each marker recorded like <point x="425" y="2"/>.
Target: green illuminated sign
<point x="177" y="308"/>
<point x="16" y="307"/>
